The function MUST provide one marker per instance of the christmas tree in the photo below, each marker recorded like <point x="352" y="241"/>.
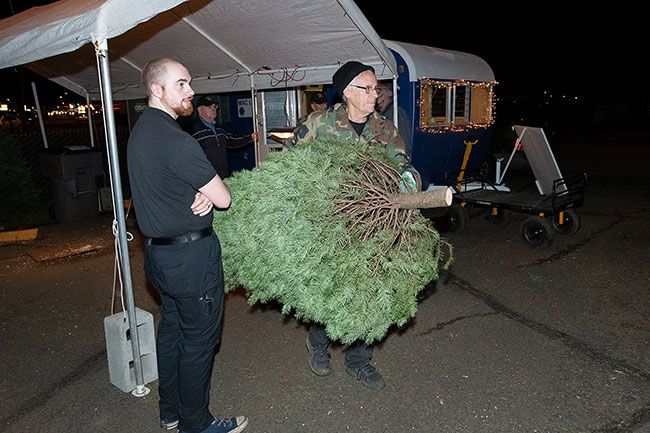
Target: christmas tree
<point x="323" y="230"/>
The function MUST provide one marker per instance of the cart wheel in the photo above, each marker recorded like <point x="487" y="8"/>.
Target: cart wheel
<point x="570" y="225"/>
<point x="537" y="232"/>
<point x="458" y="218"/>
<point x="501" y="218"/>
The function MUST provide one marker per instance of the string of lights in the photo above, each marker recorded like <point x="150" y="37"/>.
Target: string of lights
<point x="449" y="123"/>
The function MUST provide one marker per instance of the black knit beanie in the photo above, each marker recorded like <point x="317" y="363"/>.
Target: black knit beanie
<point x="346" y="74"/>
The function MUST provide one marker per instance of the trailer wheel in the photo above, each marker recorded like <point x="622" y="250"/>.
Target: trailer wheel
<point x="537" y="232"/>
<point x="570" y="224"/>
<point x="458" y="218"/>
<point x="499" y="217"/>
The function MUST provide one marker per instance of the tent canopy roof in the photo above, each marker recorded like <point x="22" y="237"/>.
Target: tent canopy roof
<point x="227" y="45"/>
<point x="436" y="63"/>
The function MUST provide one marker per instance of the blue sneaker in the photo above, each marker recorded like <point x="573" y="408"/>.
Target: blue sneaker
<point x="232" y="425"/>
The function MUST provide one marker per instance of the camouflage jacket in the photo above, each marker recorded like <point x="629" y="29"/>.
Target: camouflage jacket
<point x="334" y="123"/>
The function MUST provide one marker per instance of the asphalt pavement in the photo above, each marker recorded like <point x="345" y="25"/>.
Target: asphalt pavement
<point x="512" y="340"/>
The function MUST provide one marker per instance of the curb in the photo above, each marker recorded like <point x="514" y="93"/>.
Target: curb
<point x="14" y="236"/>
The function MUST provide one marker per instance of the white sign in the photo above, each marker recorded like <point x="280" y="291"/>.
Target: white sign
<point x="245" y="107"/>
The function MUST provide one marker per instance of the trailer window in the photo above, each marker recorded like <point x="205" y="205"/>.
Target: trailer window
<point x="461" y="104"/>
<point x="455" y="105"/>
<point x="439" y="105"/>
<point x="434" y="107"/>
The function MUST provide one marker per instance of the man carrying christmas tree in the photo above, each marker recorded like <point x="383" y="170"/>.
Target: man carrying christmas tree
<point x="354" y="119"/>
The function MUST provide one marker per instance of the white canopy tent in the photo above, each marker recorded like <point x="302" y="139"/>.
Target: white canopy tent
<point x="227" y="45"/>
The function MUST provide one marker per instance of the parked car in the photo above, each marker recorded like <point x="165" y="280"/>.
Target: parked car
<point x="10" y="122"/>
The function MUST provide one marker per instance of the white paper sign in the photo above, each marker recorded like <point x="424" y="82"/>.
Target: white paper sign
<point x="245" y="107"/>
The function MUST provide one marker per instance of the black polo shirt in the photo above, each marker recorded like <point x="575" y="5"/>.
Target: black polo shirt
<point x="166" y="169"/>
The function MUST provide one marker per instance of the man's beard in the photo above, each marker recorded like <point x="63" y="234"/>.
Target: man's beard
<point x="183" y="111"/>
<point x="179" y="109"/>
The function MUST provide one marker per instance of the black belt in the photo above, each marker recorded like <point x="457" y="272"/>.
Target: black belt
<point x="183" y="239"/>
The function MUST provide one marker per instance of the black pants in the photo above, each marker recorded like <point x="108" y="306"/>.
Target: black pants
<point x="357" y="355"/>
<point x="189" y="279"/>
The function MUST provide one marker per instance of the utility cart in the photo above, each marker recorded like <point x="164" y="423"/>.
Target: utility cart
<point x="551" y="201"/>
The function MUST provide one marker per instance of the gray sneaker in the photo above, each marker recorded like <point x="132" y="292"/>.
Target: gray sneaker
<point x="368" y="375"/>
<point x="319" y="359"/>
<point x="168" y="425"/>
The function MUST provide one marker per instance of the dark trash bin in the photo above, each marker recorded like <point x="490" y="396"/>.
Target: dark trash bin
<point x="74" y="171"/>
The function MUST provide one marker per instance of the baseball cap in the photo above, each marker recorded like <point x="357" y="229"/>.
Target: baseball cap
<point x="318" y="98"/>
<point x="205" y="100"/>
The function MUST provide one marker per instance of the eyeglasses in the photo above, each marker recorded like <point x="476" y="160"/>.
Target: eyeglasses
<point x="368" y="89"/>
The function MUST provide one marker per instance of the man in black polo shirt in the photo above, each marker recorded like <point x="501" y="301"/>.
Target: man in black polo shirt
<point x="174" y="190"/>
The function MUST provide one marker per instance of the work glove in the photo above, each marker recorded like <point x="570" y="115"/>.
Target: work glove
<point x="410" y="180"/>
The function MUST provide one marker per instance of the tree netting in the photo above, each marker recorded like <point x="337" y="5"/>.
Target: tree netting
<point x="308" y="228"/>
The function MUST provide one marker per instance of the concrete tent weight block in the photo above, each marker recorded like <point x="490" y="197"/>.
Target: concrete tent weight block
<point x="121" y="368"/>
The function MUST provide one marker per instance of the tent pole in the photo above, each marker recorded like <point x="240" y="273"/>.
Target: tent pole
<point x="89" y="114"/>
<point x="257" y="144"/>
<point x="395" y="114"/>
<point x="103" y="68"/>
<point x="40" y="115"/>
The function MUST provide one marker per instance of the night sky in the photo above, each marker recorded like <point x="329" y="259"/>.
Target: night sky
<point x="597" y="53"/>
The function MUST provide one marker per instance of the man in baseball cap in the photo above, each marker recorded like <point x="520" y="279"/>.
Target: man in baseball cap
<point x="216" y="141"/>
<point x="385" y="108"/>
<point x="318" y="101"/>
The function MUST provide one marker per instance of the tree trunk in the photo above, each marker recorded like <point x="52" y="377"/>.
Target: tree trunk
<point x="437" y="197"/>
